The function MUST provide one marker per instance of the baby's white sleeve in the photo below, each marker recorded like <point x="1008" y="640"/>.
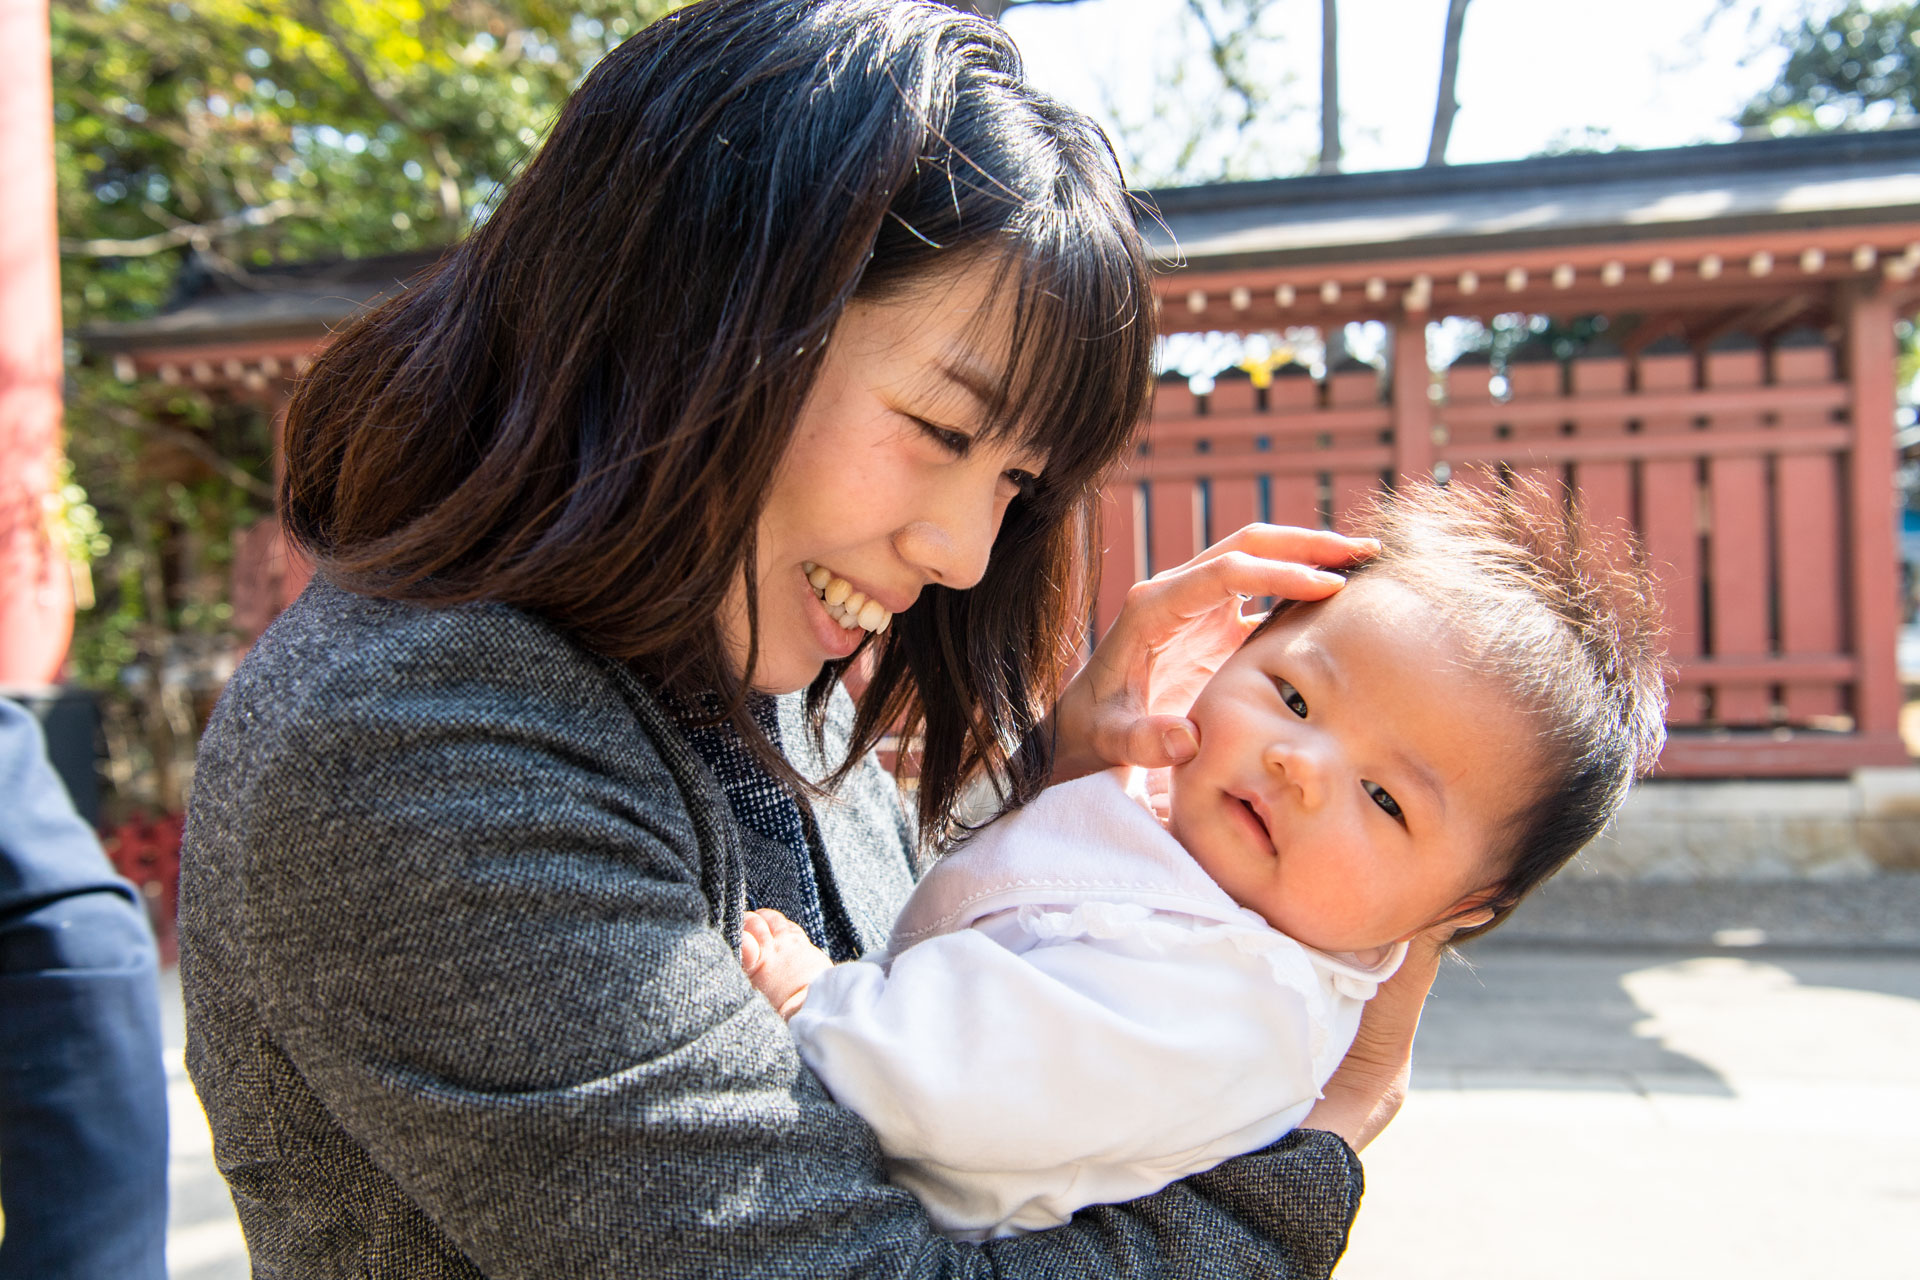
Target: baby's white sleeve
<point x="986" y="1056"/>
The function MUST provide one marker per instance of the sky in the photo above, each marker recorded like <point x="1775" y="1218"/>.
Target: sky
<point x="1533" y="73"/>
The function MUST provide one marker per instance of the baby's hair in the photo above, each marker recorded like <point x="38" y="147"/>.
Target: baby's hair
<point x="1564" y="619"/>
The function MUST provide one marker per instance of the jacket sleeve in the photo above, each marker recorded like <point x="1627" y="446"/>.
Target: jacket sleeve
<point x="476" y="928"/>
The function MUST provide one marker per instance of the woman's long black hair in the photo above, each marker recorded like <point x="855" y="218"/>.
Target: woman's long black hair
<point x="579" y="412"/>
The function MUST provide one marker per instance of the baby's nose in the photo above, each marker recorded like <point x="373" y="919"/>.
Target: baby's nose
<point x="1303" y="764"/>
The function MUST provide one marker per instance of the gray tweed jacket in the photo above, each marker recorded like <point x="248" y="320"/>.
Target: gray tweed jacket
<point x="458" y="915"/>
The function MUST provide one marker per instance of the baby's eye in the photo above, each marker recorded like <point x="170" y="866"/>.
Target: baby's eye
<point x="1384" y="800"/>
<point x="1025" y="481"/>
<point x="1291" y="696"/>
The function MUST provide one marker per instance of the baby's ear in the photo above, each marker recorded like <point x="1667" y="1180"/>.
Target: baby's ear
<point x="1471" y="911"/>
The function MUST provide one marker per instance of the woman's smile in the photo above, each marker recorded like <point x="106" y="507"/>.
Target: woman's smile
<point x="835" y="641"/>
<point x="845" y="603"/>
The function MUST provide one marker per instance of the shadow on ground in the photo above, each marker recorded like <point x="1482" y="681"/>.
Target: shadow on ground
<point x="1668" y="1021"/>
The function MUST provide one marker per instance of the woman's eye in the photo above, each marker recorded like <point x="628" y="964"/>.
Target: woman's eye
<point x="956" y="443"/>
<point x="1384" y="800"/>
<point x="1291" y="696"/>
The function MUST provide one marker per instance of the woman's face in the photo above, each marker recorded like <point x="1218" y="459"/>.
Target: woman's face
<point x="887" y="485"/>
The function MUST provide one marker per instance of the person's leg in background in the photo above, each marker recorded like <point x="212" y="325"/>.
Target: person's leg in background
<point x="83" y="1100"/>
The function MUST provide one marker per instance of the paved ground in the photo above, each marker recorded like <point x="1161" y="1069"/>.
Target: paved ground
<point x="1617" y="1097"/>
<point x="203" y="1239"/>
<point x="1610" y="1112"/>
<point x="1577" y="908"/>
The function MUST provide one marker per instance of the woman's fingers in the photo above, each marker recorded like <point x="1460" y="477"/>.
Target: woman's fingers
<point x="1151" y="742"/>
<point x="1198" y="587"/>
<point x="1366" y="1090"/>
<point x="1290" y="542"/>
<point x="1176" y="629"/>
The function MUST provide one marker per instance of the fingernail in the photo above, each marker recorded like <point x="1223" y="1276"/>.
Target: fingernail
<point x="1179" y="745"/>
<point x="1329" y="578"/>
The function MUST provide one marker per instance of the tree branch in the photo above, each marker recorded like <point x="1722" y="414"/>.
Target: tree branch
<point x="199" y="234"/>
<point x="1221" y="51"/>
<point x="1448" y="102"/>
<point x="233" y="473"/>
<point x="160" y="128"/>
<point x="1329" y="87"/>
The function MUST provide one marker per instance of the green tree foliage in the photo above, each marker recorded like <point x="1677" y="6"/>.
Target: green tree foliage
<point x="234" y="133"/>
<point x="255" y="130"/>
<point x="1855" y="68"/>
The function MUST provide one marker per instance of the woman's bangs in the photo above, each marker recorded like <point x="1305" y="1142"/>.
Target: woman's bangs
<point x="1077" y="380"/>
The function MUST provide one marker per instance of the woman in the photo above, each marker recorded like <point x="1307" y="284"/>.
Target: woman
<point x="803" y="299"/>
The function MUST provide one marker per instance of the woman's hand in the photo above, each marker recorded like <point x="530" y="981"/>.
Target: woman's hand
<point x="1128" y="704"/>
<point x="1366" y="1091"/>
<point x="779" y="959"/>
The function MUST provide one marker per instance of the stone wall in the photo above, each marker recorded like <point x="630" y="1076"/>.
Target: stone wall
<point x="1775" y="830"/>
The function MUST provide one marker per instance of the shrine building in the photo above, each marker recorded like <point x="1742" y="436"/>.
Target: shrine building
<point x="1730" y="398"/>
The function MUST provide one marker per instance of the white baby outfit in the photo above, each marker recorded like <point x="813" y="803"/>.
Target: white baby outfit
<point x="1071" y="1012"/>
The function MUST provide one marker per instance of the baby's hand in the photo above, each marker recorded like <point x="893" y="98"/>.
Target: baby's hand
<point x="779" y="959"/>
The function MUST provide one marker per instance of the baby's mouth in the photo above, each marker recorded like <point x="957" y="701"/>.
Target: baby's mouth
<point x="1260" y="823"/>
<point x="844" y="605"/>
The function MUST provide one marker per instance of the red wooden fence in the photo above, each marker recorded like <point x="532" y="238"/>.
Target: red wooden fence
<point x="1757" y="480"/>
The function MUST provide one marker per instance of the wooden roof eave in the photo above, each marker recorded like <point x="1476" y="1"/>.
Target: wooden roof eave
<point x="263" y="370"/>
<point x="1691" y="272"/>
<point x="1703" y="227"/>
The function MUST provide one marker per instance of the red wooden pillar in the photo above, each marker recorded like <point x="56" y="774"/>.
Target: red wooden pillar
<point x="1351" y="384"/>
<point x="1534" y="374"/>
<point x="1809" y="533"/>
<point x="1876" y="618"/>
<point x="1123" y="550"/>
<point x="1173" y="502"/>
<point x="1412" y="399"/>
<point x="1233" y="500"/>
<point x="1469" y="381"/>
<point x="1669" y="519"/>
<point x="36" y="587"/>
<point x="1605" y="486"/>
<point x="1739" y="559"/>
<point x="1293" y="490"/>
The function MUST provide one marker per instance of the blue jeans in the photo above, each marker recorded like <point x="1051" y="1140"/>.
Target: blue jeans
<point x="83" y="1093"/>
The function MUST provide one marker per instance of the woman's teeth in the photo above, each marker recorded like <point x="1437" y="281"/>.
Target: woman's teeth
<point x="846" y="606"/>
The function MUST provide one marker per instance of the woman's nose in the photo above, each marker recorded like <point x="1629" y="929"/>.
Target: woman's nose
<point x="1303" y="762"/>
<point x="953" y="540"/>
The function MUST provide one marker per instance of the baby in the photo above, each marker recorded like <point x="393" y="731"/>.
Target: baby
<point x="1109" y="990"/>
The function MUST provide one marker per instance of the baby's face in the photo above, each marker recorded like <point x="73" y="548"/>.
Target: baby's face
<point x="1353" y="773"/>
